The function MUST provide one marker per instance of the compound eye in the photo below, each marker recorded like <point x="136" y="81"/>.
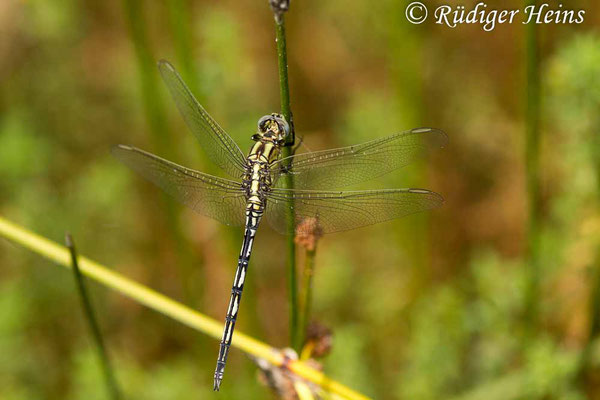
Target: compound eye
<point x="262" y="123"/>
<point x="283" y="125"/>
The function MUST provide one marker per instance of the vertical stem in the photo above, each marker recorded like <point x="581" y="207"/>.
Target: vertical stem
<point x="284" y="91"/>
<point x="309" y="267"/>
<point x="88" y="311"/>
<point x="532" y="151"/>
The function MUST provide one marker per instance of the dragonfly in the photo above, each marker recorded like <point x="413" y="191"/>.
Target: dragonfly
<point x="258" y="187"/>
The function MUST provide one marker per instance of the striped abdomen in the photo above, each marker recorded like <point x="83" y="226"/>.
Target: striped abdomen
<point x="252" y="221"/>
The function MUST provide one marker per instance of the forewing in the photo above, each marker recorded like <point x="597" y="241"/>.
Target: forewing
<point x="218" y="145"/>
<point x="339" y="211"/>
<point x="353" y="164"/>
<point x="208" y="195"/>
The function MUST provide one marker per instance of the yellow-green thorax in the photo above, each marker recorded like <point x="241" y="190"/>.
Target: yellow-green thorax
<point x="258" y="176"/>
<point x="270" y="137"/>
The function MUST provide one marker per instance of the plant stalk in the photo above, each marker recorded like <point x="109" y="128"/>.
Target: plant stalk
<point x="284" y="91"/>
<point x="307" y="290"/>
<point x="88" y="310"/>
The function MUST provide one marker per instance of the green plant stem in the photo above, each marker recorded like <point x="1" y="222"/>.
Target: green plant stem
<point x="532" y="155"/>
<point x="88" y="311"/>
<point x="284" y="91"/>
<point x="171" y="308"/>
<point x="309" y="268"/>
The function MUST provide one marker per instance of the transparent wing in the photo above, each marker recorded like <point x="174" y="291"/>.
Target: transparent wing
<point x="218" y="145"/>
<point x="348" y="165"/>
<point x="208" y="195"/>
<point x="340" y="211"/>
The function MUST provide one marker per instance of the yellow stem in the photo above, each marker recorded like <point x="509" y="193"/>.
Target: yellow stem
<point x="158" y="302"/>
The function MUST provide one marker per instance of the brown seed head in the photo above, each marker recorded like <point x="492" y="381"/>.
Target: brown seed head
<point x="308" y="232"/>
<point x="320" y="338"/>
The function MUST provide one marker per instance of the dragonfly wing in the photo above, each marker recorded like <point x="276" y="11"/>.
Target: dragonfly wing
<point x="353" y="164"/>
<point x="219" y="146"/>
<point x="208" y="195"/>
<point x="340" y="211"/>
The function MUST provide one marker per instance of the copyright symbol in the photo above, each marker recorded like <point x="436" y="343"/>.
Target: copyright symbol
<point x="416" y="12"/>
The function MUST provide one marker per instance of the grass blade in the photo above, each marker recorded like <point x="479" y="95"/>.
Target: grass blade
<point x="307" y="290"/>
<point x="88" y="311"/>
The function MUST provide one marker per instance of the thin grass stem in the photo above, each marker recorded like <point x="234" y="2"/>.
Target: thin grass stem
<point x="307" y="290"/>
<point x="279" y="7"/>
<point x="171" y="308"/>
<point x="88" y="310"/>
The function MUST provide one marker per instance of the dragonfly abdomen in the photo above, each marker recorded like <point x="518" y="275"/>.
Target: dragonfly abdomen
<point x="252" y="220"/>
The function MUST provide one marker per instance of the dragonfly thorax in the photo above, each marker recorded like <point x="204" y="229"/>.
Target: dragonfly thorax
<point x="272" y="128"/>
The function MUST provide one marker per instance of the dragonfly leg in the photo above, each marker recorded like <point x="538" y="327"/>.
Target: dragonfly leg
<point x="297" y="146"/>
<point x="292" y="141"/>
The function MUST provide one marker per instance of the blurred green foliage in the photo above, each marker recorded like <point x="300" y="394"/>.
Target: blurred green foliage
<point x="421" y="308"/>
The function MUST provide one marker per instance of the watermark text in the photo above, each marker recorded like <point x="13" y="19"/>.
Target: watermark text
<point x="489" y="19"/>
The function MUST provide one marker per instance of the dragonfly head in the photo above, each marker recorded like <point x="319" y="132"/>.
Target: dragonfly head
<point x="272" y="128"/>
